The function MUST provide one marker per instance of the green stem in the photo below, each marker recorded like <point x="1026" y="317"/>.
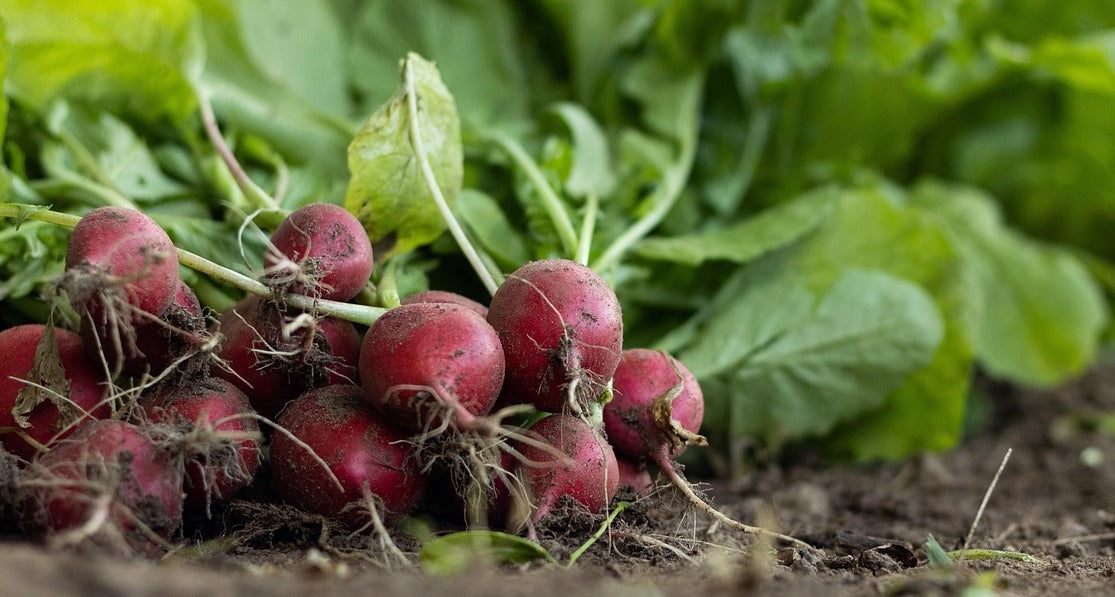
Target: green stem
<point x="259" y="198"/>
<point x="550" y="201"/>
<point x="588" y="225"/>
<point x="576" y="555"/>
<point x="664" y="200"/>
<point x="455" y="229"/>
<point x="990" y="554"/>
<point x="362" y="314"/>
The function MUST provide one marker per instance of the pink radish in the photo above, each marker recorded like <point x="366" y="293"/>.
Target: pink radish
<point x="581" y="464"/>
<point x="109" y="483"/>
<point x="363" y="451"/>
<point x="72" y="387"/>
<point x="323" y="251"/>
<point x="426" y="365"/>
<point x="562" y="331"/>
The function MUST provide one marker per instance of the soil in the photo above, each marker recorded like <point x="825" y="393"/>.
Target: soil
<point x="1054" y="502"/>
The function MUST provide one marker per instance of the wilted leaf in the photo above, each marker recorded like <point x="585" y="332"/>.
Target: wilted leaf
<point x="388" y="192"/>
<point x="464" y="550"/>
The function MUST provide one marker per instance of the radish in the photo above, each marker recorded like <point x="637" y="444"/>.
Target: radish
<point x="656" y="404"/>
<point x="121" y="269"/>
<point x="430" y="365"/>
<point x="366" y="456"/>
<point x="583" y="466"/>
<point x="655" y="413"/>
<point x="562" y="331"/>
<point x="442" y="296"/>
<point x="323" y="251"/>
<point x="158" y="342"/>
<point x="633" y="474"/>
<point x="69" y="387"/>
<point x="276" y="355"/>
<point x="222" y="440"/>
<point x="109" y="483"/>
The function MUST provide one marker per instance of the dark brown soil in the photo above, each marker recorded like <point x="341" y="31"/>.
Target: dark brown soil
<point x="1055" y="501"/>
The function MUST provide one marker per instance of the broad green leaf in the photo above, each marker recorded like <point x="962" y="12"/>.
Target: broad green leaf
<point x="867" y="335"/>
<point x="464" y="550"/>
<point x="474" y="43"/>
<point x="102" y="147"/>
<point x="252" y="91"/>
<point x="872" y="228"/>
<point x="591" y="171"/>
<point x="388" y="191"/>
<point x="746" y="240"/>
<point x="1040" y="314"/>
<point x="492" y="229"/>
<point x="751" y="310"/>
<point x="138" y="58"/>
<point x="297" y="45"/>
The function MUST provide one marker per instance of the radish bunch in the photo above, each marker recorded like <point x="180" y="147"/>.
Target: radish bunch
<point x="351" y="423"/>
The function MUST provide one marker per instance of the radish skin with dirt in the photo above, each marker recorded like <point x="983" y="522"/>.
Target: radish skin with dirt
<point x="323" y="251"/>
<point x="562" y="331"/>
<point x="580" y="463"/>
<point x="364" y="452"/>
<point x="428" y="365"/>
<point x="73" y="388"/>
<point x="121" y="271"/>
<point x="219" y="433"/>
<point x="109" y="483"/>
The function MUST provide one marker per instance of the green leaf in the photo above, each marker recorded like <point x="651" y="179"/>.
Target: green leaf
<point x="867" y="335"/>
<point x="591" y="170"/>
<point x="387" y="191"/>
<point x="872" y="228"/>
<point x="138" y="58"/>
<point x="457" y="552"/>
<point x="474" y="42"/>
<point x="1040" y="314"/>
<point x="102" y="147"/>
<point x="490" y="226"/>
<point x="5" y="50"/>
<point x="751" y="310"/>
<point x="747" y="240"/>
<point x="297" y="45"/>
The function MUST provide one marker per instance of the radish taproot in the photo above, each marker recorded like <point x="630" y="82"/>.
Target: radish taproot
<point x="366" y="456"/>
<point x="109" y="483"/>
<point x="655" y="413"/>
<point x="323" y="251"/>
<point x="562" y="331"/>
<point x="48" y="385"/>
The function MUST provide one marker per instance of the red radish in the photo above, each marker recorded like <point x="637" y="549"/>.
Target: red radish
<point x="588" y="473"/>
<point x="277" y="355"/>
<point x="656" y="402"/>
<point x="78" y="386"/>
<point x="562" y="331"/>
<point x="421" y="360"/>
<point x="655" y="411"/>
<point x="363" y="452"/>
<point x="107" y="482"/>
<point x="222" y="438"/>
<point x="324" y="251"/>
<point x="121" y="269"/>
<point x="442" y="296"/>
<point x="158" y="342"/>
<point x="634" y="474"/>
